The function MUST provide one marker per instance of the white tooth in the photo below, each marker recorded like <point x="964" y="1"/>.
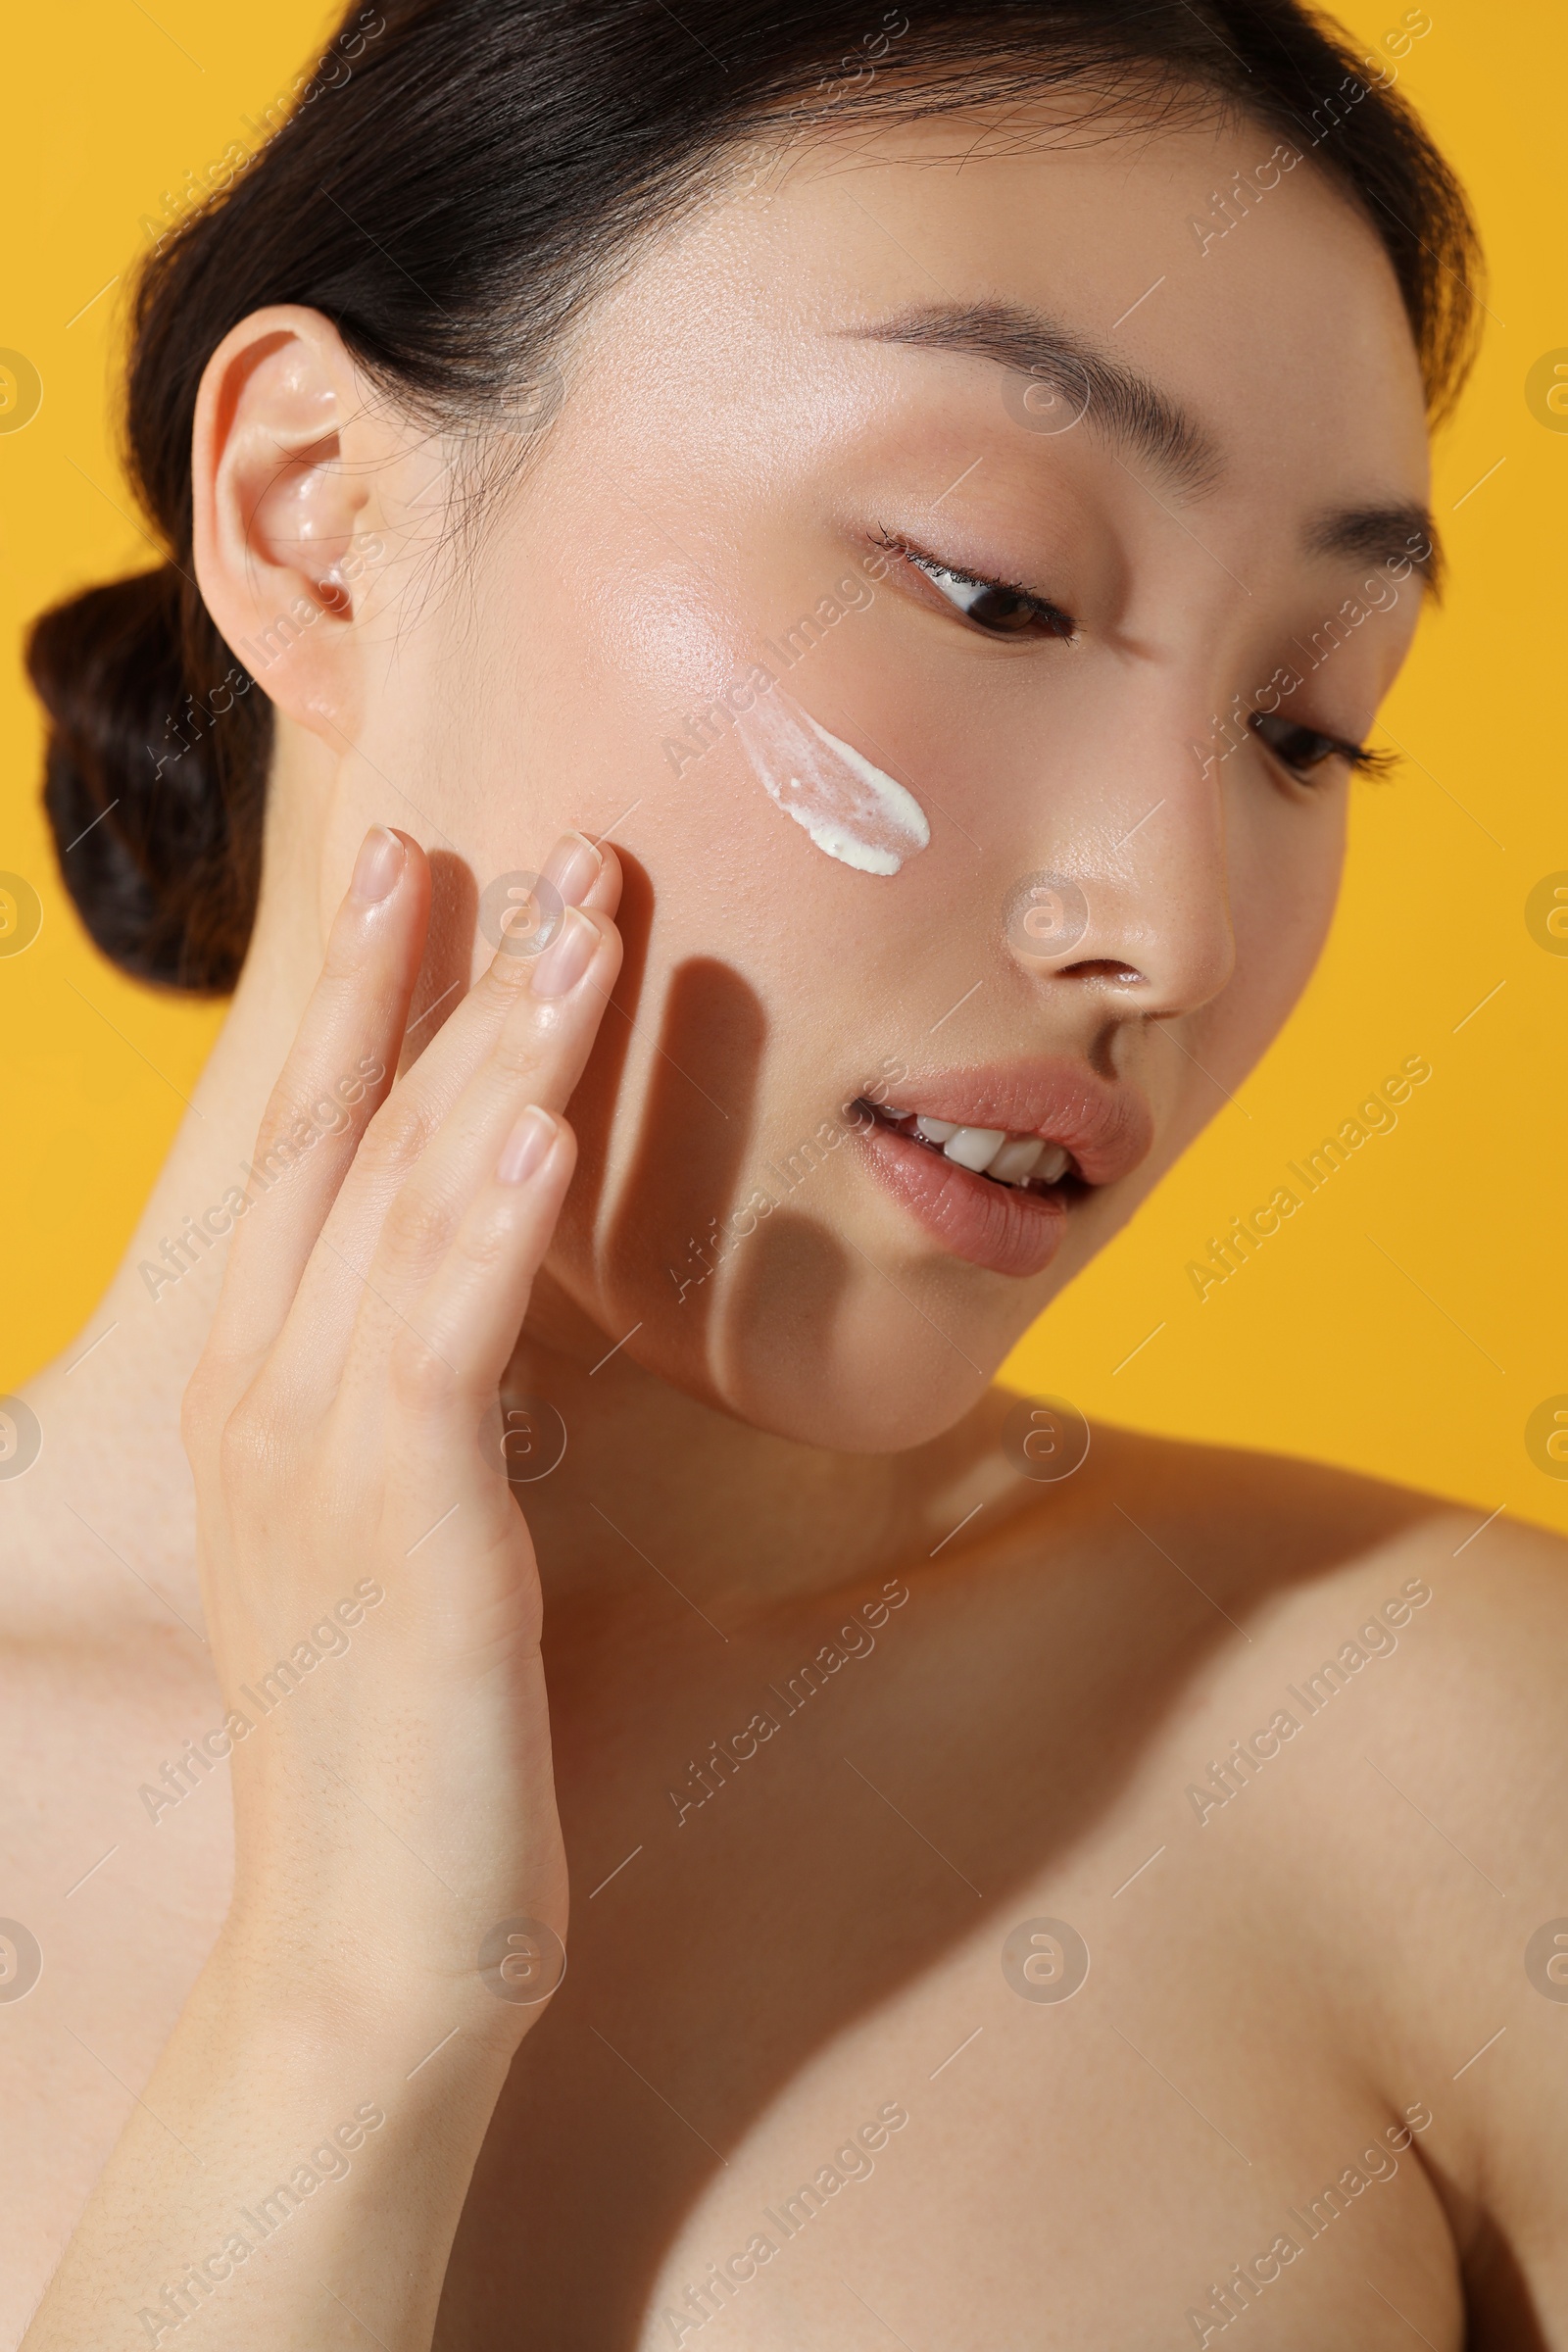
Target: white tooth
<point x="1052" y="1164"/>
<point x="1015" y="1161"/>
<point x="974" y="1146"/>
<point x="935" y="1131"/>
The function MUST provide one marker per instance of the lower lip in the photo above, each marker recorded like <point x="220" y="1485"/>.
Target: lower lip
<point x="998" y="1226"/>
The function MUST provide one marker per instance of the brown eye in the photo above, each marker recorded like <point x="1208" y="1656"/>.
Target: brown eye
<point x="1001" y="609"/>
<point x="1302" y="748"/>
<point x="992" y="605"/>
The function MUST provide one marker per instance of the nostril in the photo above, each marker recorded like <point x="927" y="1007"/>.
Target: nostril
<point x="1099" y="968"/>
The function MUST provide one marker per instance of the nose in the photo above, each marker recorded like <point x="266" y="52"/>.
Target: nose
<point x="1136" y="899"/>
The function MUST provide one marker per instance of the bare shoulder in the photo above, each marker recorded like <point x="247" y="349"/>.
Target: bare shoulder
<point x="1357" y="1603"/>
<point x="1437" y="1831"/>
<point x="1369" y="1748"/>
<point x="1457" y="1617"/>
<point x="1494" y="1645"/>
<point x="1297" y="1543"/>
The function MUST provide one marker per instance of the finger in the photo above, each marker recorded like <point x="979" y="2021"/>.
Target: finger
<point x="537" y="1059"/>
<point x="336" y="1076"/>
<point x="431" y="1146"/>
<point x="578" y="872"/>
<point x="445" y="1366"/>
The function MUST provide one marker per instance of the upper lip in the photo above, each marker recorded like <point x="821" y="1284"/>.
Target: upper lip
<point x="1106" y="1125"/>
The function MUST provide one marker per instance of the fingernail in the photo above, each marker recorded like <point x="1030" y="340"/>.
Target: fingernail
<point x="376" y="869"/>
<point x="568" y="957"/>
<point x="526" y="1146"/>
<point x="573" y="866"/>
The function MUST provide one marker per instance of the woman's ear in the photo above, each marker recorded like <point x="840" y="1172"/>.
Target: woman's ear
<point x="285" y="459"/>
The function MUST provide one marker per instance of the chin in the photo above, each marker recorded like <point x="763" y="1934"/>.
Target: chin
<point x="805" y="1337"/>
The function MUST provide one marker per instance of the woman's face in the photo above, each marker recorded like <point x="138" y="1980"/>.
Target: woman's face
<point x="1007" y="856"/>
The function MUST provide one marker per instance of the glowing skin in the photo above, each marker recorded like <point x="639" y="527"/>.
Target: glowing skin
<point x="850" y="810"/>
<point x="781" y="452"/>
<point x="780" y="1440"/>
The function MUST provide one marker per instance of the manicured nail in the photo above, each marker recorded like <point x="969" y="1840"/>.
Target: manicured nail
<point x="526" y="1146"/>
<point x="568" y="957"/>
<point x="376" y="869"/>
<point x="573" y="865"/>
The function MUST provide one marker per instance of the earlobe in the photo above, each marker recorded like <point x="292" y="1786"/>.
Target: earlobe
<point x="282" y="512"/>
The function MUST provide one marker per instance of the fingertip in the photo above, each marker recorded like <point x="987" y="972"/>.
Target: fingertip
<point x="379" y="868"/>
<point x="528" y="1147"/>
<point x="416" y="875"/>
<point x="387" y="859"/>
<point x="604" y="896"/>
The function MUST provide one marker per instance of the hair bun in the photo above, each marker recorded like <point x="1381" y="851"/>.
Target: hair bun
<point x="157" y="749"/>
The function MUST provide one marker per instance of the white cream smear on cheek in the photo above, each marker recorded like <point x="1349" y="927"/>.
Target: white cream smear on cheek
<point x="851" y="810"/>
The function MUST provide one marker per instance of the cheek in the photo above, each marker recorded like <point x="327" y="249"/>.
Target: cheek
<point x="1285" y="863"/>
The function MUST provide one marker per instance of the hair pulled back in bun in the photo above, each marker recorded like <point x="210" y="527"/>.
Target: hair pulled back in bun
<point x="155" y="778"/>
<point x="455" y="179"/>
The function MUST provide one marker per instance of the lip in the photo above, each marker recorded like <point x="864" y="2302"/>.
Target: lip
<point x="1106" y="1128"/>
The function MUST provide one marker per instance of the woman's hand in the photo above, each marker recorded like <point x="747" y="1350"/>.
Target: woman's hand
<point x="369" y="1586"/>
<point x="300" y="2156"/>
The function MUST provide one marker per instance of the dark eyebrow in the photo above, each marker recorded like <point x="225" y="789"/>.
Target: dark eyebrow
<point x="1130" y="409"/>
<point x="1122" y="402"/>
<point x="1403" y="532"/>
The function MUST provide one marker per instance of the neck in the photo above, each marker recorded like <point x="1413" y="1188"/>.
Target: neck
<point x="655" y="1494"/>
<point x="110" y="1403"/>
<point x="658" y="1498"/>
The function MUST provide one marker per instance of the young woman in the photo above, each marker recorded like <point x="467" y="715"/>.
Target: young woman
<point x="768" y="624"/>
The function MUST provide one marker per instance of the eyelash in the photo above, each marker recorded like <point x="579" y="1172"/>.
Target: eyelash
<point x="1361" y="758"/>
<point x="1054" y="623"/>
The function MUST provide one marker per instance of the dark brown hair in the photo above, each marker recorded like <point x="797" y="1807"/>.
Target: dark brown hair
<point x="456" y="180"/>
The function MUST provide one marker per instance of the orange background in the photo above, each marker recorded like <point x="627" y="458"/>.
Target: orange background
<point x="1411" y="1316"/>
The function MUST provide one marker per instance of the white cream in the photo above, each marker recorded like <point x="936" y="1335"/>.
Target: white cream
<point x="850" y="810"/>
